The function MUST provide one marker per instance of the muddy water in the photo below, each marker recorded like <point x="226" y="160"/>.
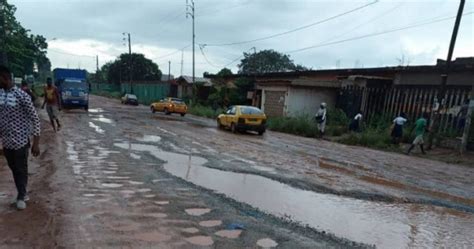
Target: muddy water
<point x="384" y="225"/>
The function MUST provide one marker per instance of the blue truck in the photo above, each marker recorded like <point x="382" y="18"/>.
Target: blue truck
<point x="73" y="87"/>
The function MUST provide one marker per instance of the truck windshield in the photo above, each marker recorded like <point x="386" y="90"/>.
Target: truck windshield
<point x="74" y="84"/>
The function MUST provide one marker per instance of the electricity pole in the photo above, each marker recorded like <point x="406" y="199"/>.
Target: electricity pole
<point x="3" y="33"/>
<point x="97" y="63"/>
<point x="129" y="60"/>
<point x="182" y="62"/>
<point x="191" y="14"/>
<point x="169" y="71"/>
<point x="444" y="77"/>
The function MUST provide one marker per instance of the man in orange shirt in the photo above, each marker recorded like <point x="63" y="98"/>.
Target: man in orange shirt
<point x="52" y="103"/>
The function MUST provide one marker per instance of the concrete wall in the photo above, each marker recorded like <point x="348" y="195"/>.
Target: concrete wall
<point x="306" y="101"/>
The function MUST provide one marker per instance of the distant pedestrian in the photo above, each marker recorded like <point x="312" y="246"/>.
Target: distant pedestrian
<point x="355" y="123"/>
<point x="52" y="103"/>
<point x="462" y="114"/>
<point x="26" y="89"/>
<point x="397" y="130"/>
<point x="320" y="118"/>
<point x="420" y="128"/>
<point x="18" y="121"/>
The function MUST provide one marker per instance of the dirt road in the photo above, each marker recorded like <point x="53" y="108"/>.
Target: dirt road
<point x="120" y="176"/>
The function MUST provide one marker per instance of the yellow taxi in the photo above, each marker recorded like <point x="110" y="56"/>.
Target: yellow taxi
<point x="243" y="118"/>
<point x="170" y="105"/>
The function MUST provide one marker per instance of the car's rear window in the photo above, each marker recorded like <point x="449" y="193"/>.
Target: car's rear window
<point x="177" y="101"/>
<point x="130" y="96"/>
<point x="250" y="110"/>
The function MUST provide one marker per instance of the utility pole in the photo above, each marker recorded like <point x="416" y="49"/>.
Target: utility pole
<point x="182" y="62"/>
<point x="444" y="77"/>
<point x="191" y="14"/>
<point x="129" y="60"/>
<point x="97" y="64"/>
<point x="169" y="71"/>
<point x="3" y="33"/>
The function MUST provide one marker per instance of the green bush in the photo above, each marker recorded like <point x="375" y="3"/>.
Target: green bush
<point x="302" y="125"/>
<point x="337" y="117"/>
<point x="204" y="111"/>
<point x="372" y="138"/>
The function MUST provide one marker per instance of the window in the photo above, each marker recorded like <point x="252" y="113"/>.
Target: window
<point x="250" y="110"/>
<point x="231" y="110"/>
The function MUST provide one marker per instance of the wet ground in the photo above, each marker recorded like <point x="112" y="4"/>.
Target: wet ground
<point x="121" y="176"/>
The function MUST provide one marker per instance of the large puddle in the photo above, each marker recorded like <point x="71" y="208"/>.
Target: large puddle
<point x="382" y="224"/>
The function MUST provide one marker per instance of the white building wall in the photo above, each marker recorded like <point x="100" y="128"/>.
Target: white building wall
<point x="306" y="101"/>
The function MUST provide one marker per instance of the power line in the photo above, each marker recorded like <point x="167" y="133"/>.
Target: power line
<point x="174" y="52"/>
<point x="222" y="9"/>
<point x="77" y="55"/>
<point x="383" y="14"/>
<point x="295" y="29"/>
<point x="373" y="34"/>
<point x="205" y="57"/>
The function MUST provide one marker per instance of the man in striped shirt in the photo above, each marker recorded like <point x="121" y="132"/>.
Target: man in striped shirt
<point x="18" y="122"/>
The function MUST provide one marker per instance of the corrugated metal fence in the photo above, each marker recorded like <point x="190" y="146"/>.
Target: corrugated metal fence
<point x="146" y="93"/>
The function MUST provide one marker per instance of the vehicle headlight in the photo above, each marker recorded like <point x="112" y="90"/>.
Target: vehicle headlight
<point x="68" y="93"/>
<point x="82" y="94"/>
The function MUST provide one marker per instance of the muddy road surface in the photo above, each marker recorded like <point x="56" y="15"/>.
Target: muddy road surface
<point x="120" y="176"/>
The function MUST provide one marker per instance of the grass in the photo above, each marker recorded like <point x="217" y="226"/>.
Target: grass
<point x="204" y="111"/>
<point x="372" y="138"/>
<point x="301" y="125"/>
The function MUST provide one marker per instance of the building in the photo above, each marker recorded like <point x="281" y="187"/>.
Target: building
<point x="167" y="77"/>
<point x="372" y="90"/>
<point x="183" y="87"/>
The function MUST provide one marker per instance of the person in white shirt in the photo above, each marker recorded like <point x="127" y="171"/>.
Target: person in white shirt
<point x="355" y="123"/>
<point x="397" y="130"/>
<point x="321" y="119"/>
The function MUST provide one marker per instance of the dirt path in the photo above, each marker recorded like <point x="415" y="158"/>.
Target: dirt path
<point x="37" y="226"/>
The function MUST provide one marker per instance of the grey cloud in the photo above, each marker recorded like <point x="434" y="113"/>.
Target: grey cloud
<point x="163" y="24"/>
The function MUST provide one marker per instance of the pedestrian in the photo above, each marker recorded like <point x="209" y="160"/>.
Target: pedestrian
<point x="421" y="126"/>
<point x="355" y="123"/>
<point x="18" y="121"/>
<point x="52" y="103"/>
<point x="397" y="128"/>
<point x="26" y="89"/>
<point x="462" y="114"/>
<point x="320" y="118"/>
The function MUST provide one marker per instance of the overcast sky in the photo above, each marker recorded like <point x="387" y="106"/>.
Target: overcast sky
<point x="78" y="30"/>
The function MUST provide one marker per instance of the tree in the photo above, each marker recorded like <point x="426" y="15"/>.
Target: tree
<point x="24" y="51"/>
<point x="224" y="72"/>
<point x="143" y="69"/>
<point x="267" y="61"/>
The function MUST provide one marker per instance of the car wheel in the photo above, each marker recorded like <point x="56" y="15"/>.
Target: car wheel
<point x="182" y="114"/>
<point x="219" y="125"/>
<point x="167" y="112"/>
<point x="86" y="108"/>
<point x="152" y="109"/>
<point x="233" y="129"/>
<point x="261" y="132"/>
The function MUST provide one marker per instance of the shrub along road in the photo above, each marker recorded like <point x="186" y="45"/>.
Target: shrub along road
<point x="122" y="176"/>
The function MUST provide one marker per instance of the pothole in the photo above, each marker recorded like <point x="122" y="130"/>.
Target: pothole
<point x="197" y="211"/>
